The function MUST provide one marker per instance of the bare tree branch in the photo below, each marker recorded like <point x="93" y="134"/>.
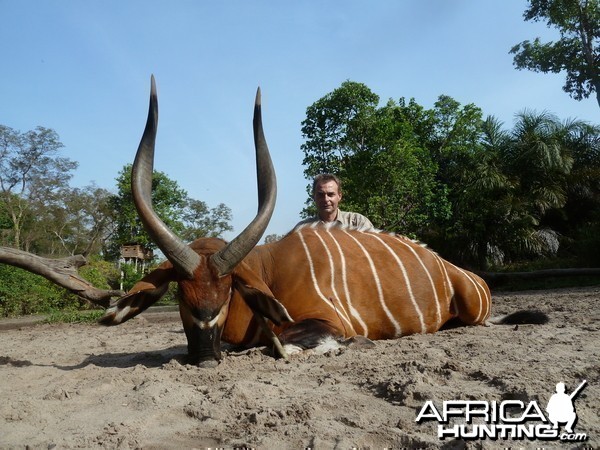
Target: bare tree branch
<point x="62" y="272"/>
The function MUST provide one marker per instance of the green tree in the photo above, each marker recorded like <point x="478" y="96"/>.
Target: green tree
<point x="478" y="193"/>
<point x="583" y="189"/>
<point x="454" y="137"/>
<point x="31" y="171"/>
<point x="335" y="127"/>
<point x="386" y="173"/>
<point x="187" y="217"/>
<point x="41" y="213"/>
<point x="202" y="221"/>
<point x="579" y="220"/>
<point x="74" y="221"/>
<point x="577" y="51"/>
<point x="391" y="178"/>
<point x="478" y="189"/>
<point x="509" y="191"/>
<point x="169" y="202"/>
<point x="540" y="158"/>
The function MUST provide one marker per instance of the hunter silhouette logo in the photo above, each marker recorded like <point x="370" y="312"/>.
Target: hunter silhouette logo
<point x="560" y="407"/>
<point x="507" y="419"/>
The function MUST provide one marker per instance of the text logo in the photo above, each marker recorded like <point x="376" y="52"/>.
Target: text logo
<point x="508" y="419"/>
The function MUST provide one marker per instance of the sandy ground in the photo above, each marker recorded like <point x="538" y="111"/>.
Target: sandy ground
<point x="85" y="386"/>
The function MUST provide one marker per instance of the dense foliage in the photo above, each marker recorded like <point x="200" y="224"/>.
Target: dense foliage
<point x="22" y="292"/>
<point x="42" y="214"/>
<point x="387" y="173"/>
<point x="478" y="193"/>
<point x="577" y="52"/>
<point x="187" y="217"/>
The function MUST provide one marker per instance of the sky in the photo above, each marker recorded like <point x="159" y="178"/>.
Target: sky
<point x="83" y="69"/>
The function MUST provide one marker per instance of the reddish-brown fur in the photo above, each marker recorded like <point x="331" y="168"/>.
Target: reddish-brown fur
<point x="422" y="297"/>
<point x="317" y="282"/>
<point x="286" y="273"/>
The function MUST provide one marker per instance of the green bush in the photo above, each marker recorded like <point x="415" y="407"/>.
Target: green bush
<point x="74" y="316"/>
<point x="23" y="293"/>
<point x="102" y="274"/>
<point x="131" y="276"/>
<point x="171" y="297"/>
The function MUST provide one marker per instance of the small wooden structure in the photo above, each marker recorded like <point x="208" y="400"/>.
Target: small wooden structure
<point x="136" y="251"/>
<point x="135" y="255"/>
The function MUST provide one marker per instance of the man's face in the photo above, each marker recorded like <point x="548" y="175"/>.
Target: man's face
<point x="327" y="196"/>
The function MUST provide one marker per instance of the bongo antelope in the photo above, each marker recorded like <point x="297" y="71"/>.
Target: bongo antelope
<point x="318" y="282"/>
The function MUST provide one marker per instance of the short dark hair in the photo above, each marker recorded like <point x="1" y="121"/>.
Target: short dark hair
<point x="326" y="178"/>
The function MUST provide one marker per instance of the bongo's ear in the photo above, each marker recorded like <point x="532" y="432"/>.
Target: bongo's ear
<point x="257" y="295"/>
<point x="142" y="295"/>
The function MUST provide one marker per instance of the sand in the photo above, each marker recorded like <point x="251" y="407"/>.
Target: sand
<point x="86" y="386"/>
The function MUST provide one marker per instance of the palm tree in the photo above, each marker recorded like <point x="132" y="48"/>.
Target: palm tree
<point x="480" y="212"/>
<point x="509" y="185"/>
<point x="580" y="221"/>
<point x="541" y="159"/>
<point x="538" y="162"/>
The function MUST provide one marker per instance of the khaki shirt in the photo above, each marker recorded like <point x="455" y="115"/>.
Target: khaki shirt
<point x="348" y="219"/>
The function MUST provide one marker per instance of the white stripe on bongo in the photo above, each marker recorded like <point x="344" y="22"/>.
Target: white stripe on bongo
<point x="486" y="298"/>
<point x="314" y="277"/>
<point x="352" y="309"/>
<point x="406" y="280"/>
<point x="122" y="313"/>
<point x="333" y="272"/>
<point x="448" y="288"/>
<point x="478" y="288"/>
<point x="378" y="285"/>
<point x="433" y="287"/>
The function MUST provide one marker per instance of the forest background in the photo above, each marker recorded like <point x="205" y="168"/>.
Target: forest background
<point x="484" y="196"/>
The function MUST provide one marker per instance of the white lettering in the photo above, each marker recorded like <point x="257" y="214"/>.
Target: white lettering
<point x="536" y="414"/>
<point x="510" y="419"/>
<point x="573" y="437"/>
<point x="458" y="406"/>
<point x="502" y="431"/>
<point x="504" y="417"/>
<point x="477" y="409"/>
<point x="434" y="414"/>
<point x="453" y="432"/>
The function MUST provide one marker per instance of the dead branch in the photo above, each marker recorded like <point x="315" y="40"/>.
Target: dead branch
<point x="62" y="272"/>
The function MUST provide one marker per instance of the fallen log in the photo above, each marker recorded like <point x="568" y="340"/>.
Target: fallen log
<point x="62" y="272"/>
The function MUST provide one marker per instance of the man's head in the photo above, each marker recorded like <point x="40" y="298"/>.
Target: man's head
<point x="327" y="193"/>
